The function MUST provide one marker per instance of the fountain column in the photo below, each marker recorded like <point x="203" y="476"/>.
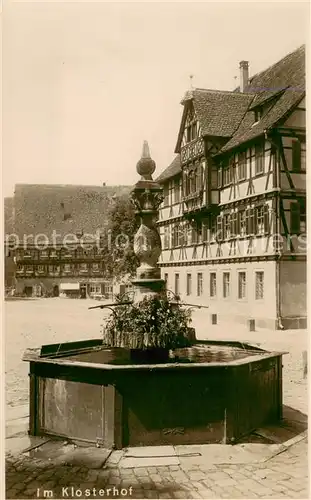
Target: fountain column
<point x="147" y="197"/>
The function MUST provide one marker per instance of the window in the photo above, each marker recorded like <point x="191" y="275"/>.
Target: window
<point x="166" y="195"/>
<point x="95" y="289"/>
<point x="227" y="226"/>
<point x="219" y="234"/>
<point x="260" y="220"/>
<point x="189" y="284"/>
<point x="219" y="177"/>
<point x="175" y="236"/>
<point x="212" y="284"/>
<point x="54" y="269"/>
<point x="226" y="284"/>
<point x="213" y="228"/>
<point x="20" y="268"/>
<point x="44" y="254"/>
<point x="177" y="284"/>
<point x="298" y="156"/>
<point x="166" y="278"/>
<point x="83" y="267"/>
<point x="250" y="221"/>
<point x="259" y="159"/>
<point x="29" y="269"/>
<point x="95" y="266"/>
<point x="53" y="254"/>
<point x="177" y="190"/>
<point x="242" y="166"/>
<point x="166" y="242"/>
<point x="257" y="114"/>
<point x="200" y="284"/>
<point x="233" y="223"/>
<point x="242" y="285"/>
<point x="67" y="268"/>
<point x="242" y="220"/>
<point x="181" y="235"/>
<point x="40" y="269"/>
<point x="298" y="218"/>
<point x="259" y="285"/>
<point x="227" y="175"/>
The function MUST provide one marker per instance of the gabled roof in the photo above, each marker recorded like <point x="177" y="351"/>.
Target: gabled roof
<point x="230" y="115"/>
<point x="219" y="112"/>
<point x="173" y="169"/>
<point x="66" y="209"/>
<point x="281" y="87"/>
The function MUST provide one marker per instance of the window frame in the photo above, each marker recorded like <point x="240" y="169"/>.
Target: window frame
<point x="199" y="284"/>
<point x="242" y="285"/>
<point x="262" y="285"/>
<point x="225" y="291"/>
<point x="188" y="284"/>
<point x="212" y="284"/>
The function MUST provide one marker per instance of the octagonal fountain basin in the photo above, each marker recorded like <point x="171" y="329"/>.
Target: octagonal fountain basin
<point x="211" y="392"/>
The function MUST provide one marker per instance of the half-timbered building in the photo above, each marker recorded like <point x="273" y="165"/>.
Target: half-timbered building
<point x="233" y="219"/>
<point x="55" y="237"/>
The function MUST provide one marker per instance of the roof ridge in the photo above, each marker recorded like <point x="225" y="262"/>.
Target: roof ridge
<point x="232" y="92"/>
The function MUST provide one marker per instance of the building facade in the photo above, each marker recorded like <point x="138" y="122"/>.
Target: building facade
<point x="233" y="220"/>
<point x="56" y="239"/>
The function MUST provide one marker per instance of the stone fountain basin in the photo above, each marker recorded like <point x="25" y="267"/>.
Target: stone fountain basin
<point x="209" y="393"/>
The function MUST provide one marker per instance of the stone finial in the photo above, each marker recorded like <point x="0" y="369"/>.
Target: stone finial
<point x="146" y="166"/>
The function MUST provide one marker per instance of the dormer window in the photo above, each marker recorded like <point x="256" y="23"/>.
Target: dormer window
<point x="257" y="114"/>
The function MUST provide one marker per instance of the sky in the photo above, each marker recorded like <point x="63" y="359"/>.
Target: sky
<point x="85" y="83"/>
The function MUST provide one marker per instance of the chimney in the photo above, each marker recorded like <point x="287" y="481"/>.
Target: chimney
<point x="244" y="76"/>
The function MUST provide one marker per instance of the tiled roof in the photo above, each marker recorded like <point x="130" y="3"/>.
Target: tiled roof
<point x="8" y="215"/>
<point x="66" y="209"/>
<point x="173" y="169"/>
<point x="219" y="112"/>
<point x="283" y="84"/>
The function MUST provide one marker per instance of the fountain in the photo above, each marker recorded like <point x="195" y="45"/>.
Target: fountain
<point x="148" y="381"/>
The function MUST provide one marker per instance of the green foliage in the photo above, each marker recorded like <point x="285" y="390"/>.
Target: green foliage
<point x="117" y="251"/>
<point x="152" y="322"/>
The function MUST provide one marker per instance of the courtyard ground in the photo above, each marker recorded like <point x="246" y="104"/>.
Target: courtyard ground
<point x="248" y="470"/>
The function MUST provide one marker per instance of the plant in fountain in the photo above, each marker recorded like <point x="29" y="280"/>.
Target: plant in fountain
<point x="152" y="323"/>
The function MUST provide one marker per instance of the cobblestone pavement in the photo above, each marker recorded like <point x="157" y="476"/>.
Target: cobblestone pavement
<point x="284" y="476"/>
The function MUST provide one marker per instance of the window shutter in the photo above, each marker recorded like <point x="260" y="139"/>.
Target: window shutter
<point x="219" y="228"/>
<point x="295" y="218"/>
<point x="266" y="218"/>
<point x="296" y="155"/>
<point x="255" y="220"/>
<point x="233" y="224"/>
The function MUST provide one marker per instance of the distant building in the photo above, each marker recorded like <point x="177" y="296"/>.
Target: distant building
<point x="56" y="233"/>
<point x="9" y="262"/>
<point x="233" y="220"/>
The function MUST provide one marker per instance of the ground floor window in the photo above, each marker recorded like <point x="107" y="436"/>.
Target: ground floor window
<point x="177" y="291"/>
<point x="259" y="285"/>
<point x="242" y="285"/>
<point x="189" y="284"/>
<point x="212" y="281"/>
<point x="226" y="284"/>
<point x="95" y="289"/>
<point x="200" y="284"/>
